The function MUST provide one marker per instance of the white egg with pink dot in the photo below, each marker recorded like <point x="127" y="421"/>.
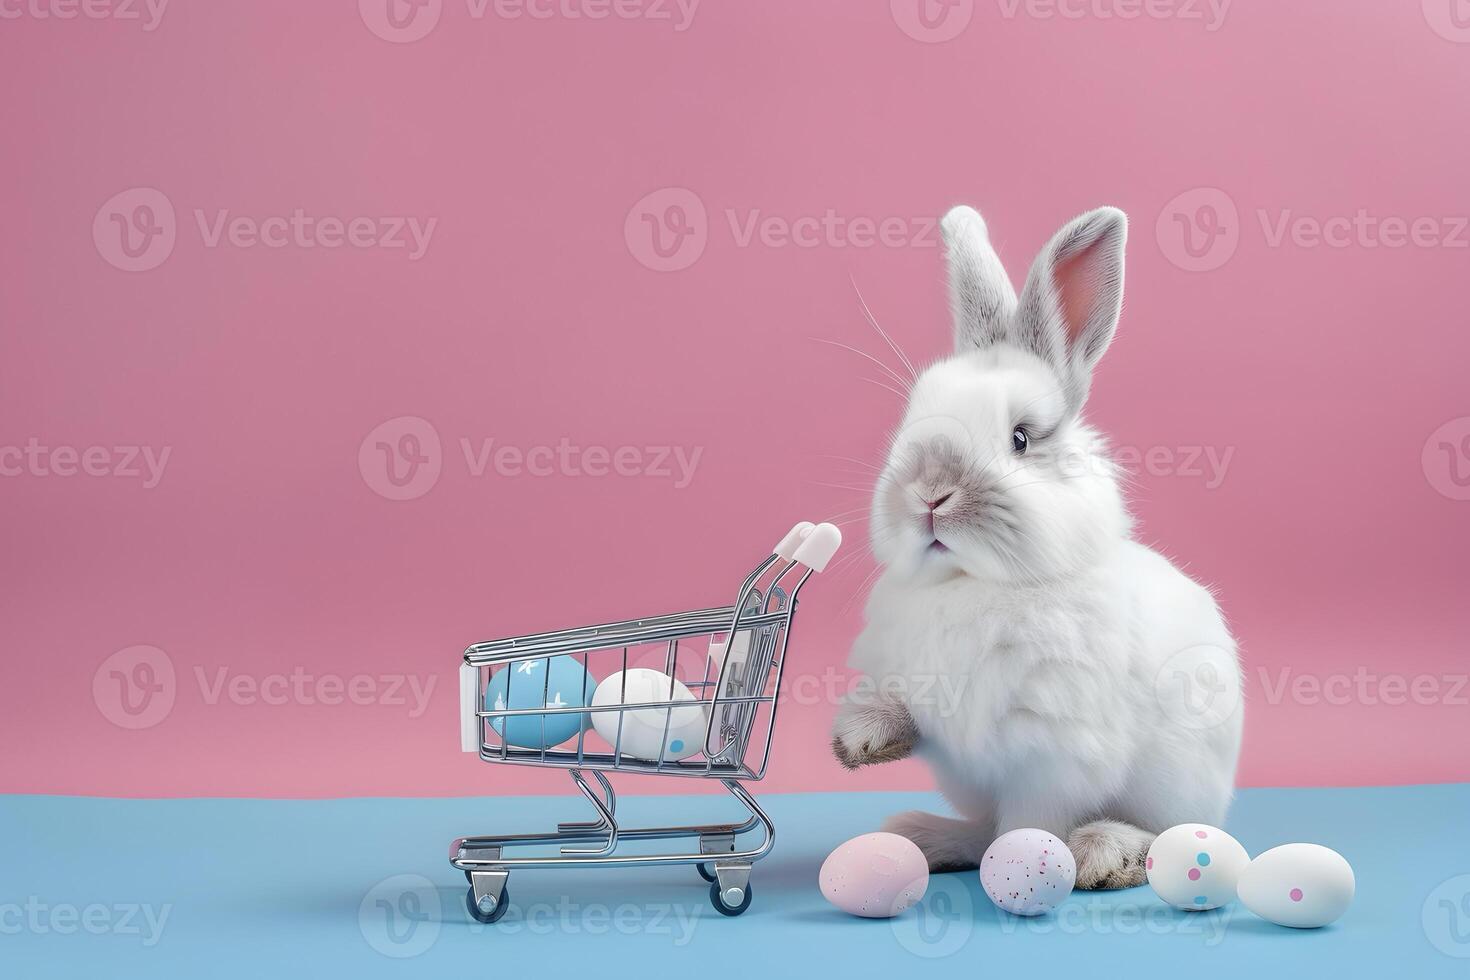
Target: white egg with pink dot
<point x="1304" y="886"/>
<point x="1027" y="872"/>
<point x="1195" y="866"/>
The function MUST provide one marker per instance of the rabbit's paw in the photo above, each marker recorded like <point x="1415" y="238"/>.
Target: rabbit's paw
<point x="948" y="844"/>
<point x="867" y="734"/>
<point x="1109" y="854"/>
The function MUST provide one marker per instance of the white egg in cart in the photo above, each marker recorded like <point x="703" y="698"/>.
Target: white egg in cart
<point x="1195" y="866"/>
<point x="675" y="732"/>
<point x="1304" y="886"/>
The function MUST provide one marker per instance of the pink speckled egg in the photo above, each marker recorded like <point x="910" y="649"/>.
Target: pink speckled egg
<point x="1027" y="872"/>
<point x="875" y="875"/>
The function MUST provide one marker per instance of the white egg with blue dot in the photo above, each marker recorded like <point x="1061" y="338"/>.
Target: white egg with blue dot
<point x="672" y="733"/>
<point x="1195" y="866"/>
<point x="560" y="682"/>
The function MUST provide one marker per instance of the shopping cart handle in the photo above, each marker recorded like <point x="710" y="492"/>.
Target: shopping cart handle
<point x="819" y="547"/>
<point x="794" y="537"/>
<point x="470" y="732"/>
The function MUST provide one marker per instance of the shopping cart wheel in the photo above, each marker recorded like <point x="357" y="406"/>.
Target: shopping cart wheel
<point x="706" y="872"/>
<point x="498" y="911"/>
<point x="717" y="899"/>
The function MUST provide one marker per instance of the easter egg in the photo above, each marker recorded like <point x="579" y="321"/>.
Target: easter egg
<point x="1027" y="872"/>
<point x="647" y="733"/>
<point x="556" y="683"/>
<point x="1195" y="866"/>
<point x="1299" y="885"/>
<point x="876" y="876"/>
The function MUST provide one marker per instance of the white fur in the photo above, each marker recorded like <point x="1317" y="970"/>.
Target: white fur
<point x="1049" y="626"/>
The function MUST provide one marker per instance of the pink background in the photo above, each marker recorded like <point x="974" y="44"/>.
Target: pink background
<point x="1334" y="538"/>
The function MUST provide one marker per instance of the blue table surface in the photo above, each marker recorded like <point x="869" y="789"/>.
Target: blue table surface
<point x="362" y="888"/>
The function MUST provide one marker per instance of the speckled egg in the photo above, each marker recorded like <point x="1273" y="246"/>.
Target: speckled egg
<point x="1304" y="886"/>
<point x="875" y="876"/>
<point x="1028" y="872"/>
<point x="1195" y="866"/>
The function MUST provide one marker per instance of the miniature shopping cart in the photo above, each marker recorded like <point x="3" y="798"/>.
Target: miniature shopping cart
<point x="716" y="717"/>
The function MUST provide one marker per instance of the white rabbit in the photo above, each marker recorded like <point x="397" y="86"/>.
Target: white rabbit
<point x="1052" y="671"/>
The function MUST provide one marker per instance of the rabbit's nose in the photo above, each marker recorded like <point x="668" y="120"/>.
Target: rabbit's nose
<point x="934" y="503"/>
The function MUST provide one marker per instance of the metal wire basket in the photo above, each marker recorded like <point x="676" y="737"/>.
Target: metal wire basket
<point x="535" y="701"/>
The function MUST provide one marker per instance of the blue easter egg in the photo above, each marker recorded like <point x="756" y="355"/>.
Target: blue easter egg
<point x="532" y="684"/>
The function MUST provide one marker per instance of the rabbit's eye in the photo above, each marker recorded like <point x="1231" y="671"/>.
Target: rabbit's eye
<point x="1019" y="441"/>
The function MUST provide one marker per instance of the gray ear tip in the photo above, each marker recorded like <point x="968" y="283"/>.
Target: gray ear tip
<point x="1113" y="218"/>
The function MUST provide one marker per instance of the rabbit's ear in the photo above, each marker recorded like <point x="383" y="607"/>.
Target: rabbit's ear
<point x="981" y="296"/>
<point x="1072" y="298"/>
